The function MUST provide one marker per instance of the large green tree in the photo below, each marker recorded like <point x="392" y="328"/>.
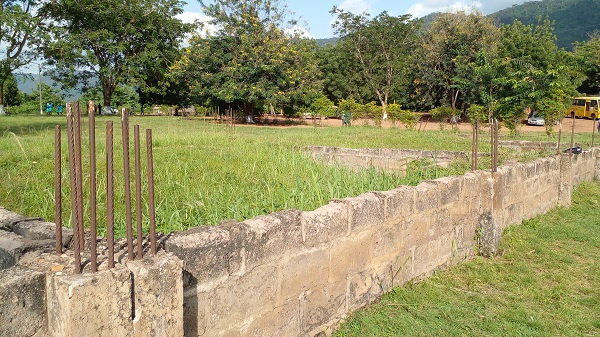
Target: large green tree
<point x="115" y="41"/>
<point x="21" y="29"/>
<point x="252" y="61"/>
<point x="451" y="50"/>
<point x="535" y="73"/>
<point x="588" y="57"/>
<point x="382" y="47"/>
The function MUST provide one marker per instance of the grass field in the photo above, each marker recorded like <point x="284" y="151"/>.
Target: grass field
<point x="204" y="174"/>
<point x="544" y="284"/>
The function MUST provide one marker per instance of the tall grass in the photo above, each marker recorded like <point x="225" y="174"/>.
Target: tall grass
<point x="204" y="175"/>
<point x="544" y="284"/>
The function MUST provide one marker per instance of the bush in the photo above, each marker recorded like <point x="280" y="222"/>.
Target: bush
<point x="322" y="106"/>
<point x="444" y="113"/>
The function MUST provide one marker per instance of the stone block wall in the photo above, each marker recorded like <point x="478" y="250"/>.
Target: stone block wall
<point x="290" y="273"/>
<point x="296" y="273"/>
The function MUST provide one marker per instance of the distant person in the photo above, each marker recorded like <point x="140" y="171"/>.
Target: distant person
<point x="59" y="109"/>
<point x="49" y="108"/>
<point x="99" y="109"/>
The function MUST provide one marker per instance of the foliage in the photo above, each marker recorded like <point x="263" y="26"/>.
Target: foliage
<point x="382" y="48"/>
<point x="573" y="19"/>
<point x="477" y="112"/>
<point x="444" y="113"/>
<point x="115" y="41"/>
<point x="588" y="56"/>
<point x="21" y="30"/>
<point x="532" y="70"/>
<point x="250" y="62"/>
<point x="260" y="170"/>
<point x="11" y="93"/>
<point x="407" y="118"/>
<point x="451" y="48"/>
<point x="322" y="106"/>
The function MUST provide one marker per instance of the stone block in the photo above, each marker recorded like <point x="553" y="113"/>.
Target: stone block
<point x="268" y="238"/>
<point x="240" y="299"/>
<point x="432" y="254"/>
<point x="324" y="224"/>
<point x="367" y="211"/>
<point x="304" y="272"/>
<point x="320" y="305"/>
<point x="97" y="304"/>
<point x="8" y="218"/>
<point x="351" y="255"/>
<point x="426" y="197"/>
<point x="158" y="295"/>
<point x="363" y="289"/>
<point x="41" y="230"/>
<point x="22" y="302"/>
<point x="281" y="321"/>
<point x="449" y="189"/>
<point x="209" y="253"/>
<point x="400" y="203"/>
<point x="13" y="247"/>
<point x="195" y="312"/>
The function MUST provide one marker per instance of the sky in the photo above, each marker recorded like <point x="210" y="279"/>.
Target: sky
<point x="314" y="17"/>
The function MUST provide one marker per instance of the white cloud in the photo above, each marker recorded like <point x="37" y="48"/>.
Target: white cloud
<point x="191" y="17"/>
<point x="357" y="6"/>
<point x="423" y="8"/>
<point x="299" y="31"/>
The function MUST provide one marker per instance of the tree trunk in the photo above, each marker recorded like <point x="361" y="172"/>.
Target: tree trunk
<point x="1" y="92"/>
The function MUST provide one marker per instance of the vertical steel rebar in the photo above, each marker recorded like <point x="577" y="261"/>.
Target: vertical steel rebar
<point x="110" y="199"/>
<point x="79" y="173"/>
<point x="126" y="174"/>
<point x="57" y="190"/>
<point x="559" y="137"/>
<point x="494" y="144"/>
<point x="138" y="191"/>
<point x="593" y="130"/>
<point x="93" y="229"/>
<point x="473" y="148"/>
<point x="150" y="168"/>
<point x="476" y="143"/>
<point x="72" y="176"/>
<point x="572" y="136"/>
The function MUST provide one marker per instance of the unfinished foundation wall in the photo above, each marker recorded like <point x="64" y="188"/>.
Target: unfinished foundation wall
<point x="290" y="273"/>
<point x="296" y="273"/>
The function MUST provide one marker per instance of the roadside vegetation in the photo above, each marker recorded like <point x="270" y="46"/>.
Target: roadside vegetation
<point x="545" y="283"/>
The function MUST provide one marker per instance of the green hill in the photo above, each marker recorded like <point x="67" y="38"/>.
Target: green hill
<point x="574" y="20"/>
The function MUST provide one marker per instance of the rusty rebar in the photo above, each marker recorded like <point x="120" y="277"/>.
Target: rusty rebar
<point x="57" y="190"/>
<point x="110" y="196"/>
<point x="138" y="191"/>
<point x="93" y="229"/>
<point x="79" y="174"/>
<point x="572" y="136"/>
<point x="593" y="130"/>
<point x="72" y="176"/>
<point x="150" y="168"/>
<point x="126" y="174"/>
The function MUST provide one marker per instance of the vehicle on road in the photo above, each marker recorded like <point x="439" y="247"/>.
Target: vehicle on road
<point x="535" y="119"/>
<point x="584" y="107"/>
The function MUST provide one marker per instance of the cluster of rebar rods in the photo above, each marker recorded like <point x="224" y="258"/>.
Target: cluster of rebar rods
<point x="76" y="185"/>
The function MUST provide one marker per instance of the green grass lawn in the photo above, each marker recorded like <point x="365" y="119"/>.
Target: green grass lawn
<point x="546" y="283"/>
<point x="204" y="174"/>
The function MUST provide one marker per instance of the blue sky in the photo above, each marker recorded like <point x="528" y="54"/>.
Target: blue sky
<point x="314" y="15"/>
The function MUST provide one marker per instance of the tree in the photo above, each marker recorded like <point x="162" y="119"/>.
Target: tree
<point x="21" y="29"/>
<point x="451" y="49"/>
<point x="382" y="47"/>
<point x="250" y="62"/>
<point x="534" y="73"/>
<point x="588" y="57"/>
<point x="115" y="41"/>
<point x="11" y="92"/>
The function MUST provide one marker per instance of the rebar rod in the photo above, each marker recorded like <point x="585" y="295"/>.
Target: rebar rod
<point x="110" y="199"/>
<point x="93" y="229"/>
<point x="138" y="191"/>
<point x="57" y="190"/>
<point x="150" y="168"/>
<point x="72" y="176"/>
<point x="79" y="174"/>
<point x="126" y="174"/>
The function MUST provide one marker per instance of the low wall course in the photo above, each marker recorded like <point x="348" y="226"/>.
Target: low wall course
<point x="22" y="302"/>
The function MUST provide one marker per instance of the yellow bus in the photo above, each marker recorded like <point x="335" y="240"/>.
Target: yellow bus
<point x="584" y="107"/>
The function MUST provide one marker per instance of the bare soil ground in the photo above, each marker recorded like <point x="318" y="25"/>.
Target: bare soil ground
<point x="581" y="125"/>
